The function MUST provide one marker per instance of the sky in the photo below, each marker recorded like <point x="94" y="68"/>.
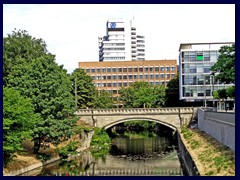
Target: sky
<point x="71" y="31"/>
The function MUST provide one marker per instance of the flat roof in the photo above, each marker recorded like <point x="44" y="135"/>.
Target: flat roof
<point x="189" y="45"/>
<point x="127" y="63"/>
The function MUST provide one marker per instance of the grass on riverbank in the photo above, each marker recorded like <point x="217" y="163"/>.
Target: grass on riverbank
<point x="211" y="157"/>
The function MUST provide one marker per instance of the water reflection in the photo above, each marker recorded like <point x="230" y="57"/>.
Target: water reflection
<point x="145" y="157"/>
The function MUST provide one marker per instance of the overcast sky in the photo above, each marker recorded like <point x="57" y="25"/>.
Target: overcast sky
<point x="71" y="31"/>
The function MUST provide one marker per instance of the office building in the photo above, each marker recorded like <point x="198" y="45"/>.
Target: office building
<point x="121" y="42"/>
<point x="112" y="76"/>
<point x="196" y="81"/>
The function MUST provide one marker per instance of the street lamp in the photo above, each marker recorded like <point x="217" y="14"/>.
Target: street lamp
<point x="205" y="101"/>
<point x="213" y="82"/>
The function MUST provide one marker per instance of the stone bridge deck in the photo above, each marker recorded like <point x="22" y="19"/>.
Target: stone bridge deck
<point x="172" y="117"/>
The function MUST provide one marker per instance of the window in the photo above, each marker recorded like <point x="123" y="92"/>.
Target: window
<point x="93" y="77"/>
<point x="172" y="75"/>
<point x="124" y="76"/>
<point x="199" y="56"/>
<point x="114" y="77"/>
<point x="162" y="76"/>
<point x="135" y="76"/>
<point x="129" y="69"/>
<point x="114" y="70"/>
<point x="173" y="68"/>
<point x="167" y="75"/>
<point x="161" y="68"/>
<point x="135" y="69"/>
<point x="140" y="76"/>
<point x="140" y="69"/>
<point x="146" y="69"/>
<point x="104" y="77"/>
<point x="167" y="68"/>
<point x="124" y="69"/>
<point x="130" y="76"/>
<point x="125" y="84"/>
<point x="88" y="70"/>
<point x="119" y="69"/>
<point x="109" y="85"/>
<point x="119" y="84"/>
<point x="93" y="70"/>
<point x="156" y="76"/>
<point x="108" y="69"/>
<point x="150" y="68"/>
<point x="119" y="77"/>
<point x="98" y="70"/>
<point x="145" y="76"/>
<point x="156" y="68"/>
<point x="109" y="77"/>
<point x="114" y="84"/>
<point x="151" y="76"/>
<point x="103" y="70"/>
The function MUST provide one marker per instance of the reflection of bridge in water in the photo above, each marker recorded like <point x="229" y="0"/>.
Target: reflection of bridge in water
<point x="166" y="165"/>
<point x="127" y="172"/>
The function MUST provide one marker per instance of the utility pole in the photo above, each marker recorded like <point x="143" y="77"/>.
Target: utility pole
<point x="205" y="102"/>
<point x="75" y="81"/>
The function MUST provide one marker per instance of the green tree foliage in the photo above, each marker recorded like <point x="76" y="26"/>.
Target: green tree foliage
<point x="20" y="47"/>
<point x="103" y="100"/>
<point x="172" y="93"/>
<point x="37" y="76"/>
<point x="230" y="92"/>
<point x="85" y="88"/>
<point x="143" y="95"/>
<point x="225" y="64"/>
<point x="18" y="122"/>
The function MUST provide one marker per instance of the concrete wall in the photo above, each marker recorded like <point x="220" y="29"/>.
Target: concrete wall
<point x="219" y="125"/>
<point x="189" y="167"/>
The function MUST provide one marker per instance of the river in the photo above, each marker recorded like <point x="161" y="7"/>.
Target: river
<point x="151" y="156"/>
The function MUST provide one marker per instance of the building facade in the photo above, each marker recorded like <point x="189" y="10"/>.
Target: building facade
<point x="196" y="80"/>
<point x="121" y="42"/>
<point x="112" y="76"/>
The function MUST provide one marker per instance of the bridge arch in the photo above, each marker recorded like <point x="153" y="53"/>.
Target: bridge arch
<point x="139" y="118"/>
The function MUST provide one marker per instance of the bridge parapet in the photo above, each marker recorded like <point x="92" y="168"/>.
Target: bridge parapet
<point x="96" y="112"/>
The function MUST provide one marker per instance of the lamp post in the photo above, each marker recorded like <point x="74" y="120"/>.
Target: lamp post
<point x="205" y="101"/>
<point x="213" y="82"/>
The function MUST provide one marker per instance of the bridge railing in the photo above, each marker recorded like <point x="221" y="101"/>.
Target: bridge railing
<point x="177" y="110"/>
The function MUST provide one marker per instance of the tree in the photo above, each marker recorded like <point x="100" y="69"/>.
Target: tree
<point x="103" y="100"/>
<point x="225" y="64"/>
<point x="172" y="93"/>
<point x="20" y="47"/>
<point x="39" y="77"/>
<point x="143" y="95"/>
<point x="19" y="121"/>
<point x="85" y="89"/>
<point x="230" y="92"/>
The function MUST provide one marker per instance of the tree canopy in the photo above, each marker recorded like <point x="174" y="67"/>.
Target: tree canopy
<point x="85" y="89"/>
<point x="225" y="65"/>
<point x="143" y="95"/>
<point x="34" y="73"/>
<point x="19" y="121"/>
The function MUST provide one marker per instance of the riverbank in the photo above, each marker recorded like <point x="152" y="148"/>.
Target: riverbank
<point x="211" y="157"/>
<point x="27" y="160"/>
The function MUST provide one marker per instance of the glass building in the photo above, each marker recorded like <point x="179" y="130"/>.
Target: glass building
<point x="196" y="80"/>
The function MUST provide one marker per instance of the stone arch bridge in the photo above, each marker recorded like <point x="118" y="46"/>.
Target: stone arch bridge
<point x="106" y="118"/>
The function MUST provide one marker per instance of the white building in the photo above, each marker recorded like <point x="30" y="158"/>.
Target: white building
<point x="121" y="42"/>
<point x="196" y="81"/>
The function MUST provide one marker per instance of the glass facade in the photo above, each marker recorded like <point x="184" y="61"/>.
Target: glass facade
<point x="195" y="77"/>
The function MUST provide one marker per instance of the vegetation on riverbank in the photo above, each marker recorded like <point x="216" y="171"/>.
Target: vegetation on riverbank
<point x="100" y="144"/>
<point x="211" y="157"/>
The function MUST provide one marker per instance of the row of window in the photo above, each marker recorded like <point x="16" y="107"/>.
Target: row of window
<point x="110" y="58"/>
<point x="146" y="76"/>
<point x="113" y="49"/>
<point x="140" y="69"/>
<point x="126" y="84"/>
